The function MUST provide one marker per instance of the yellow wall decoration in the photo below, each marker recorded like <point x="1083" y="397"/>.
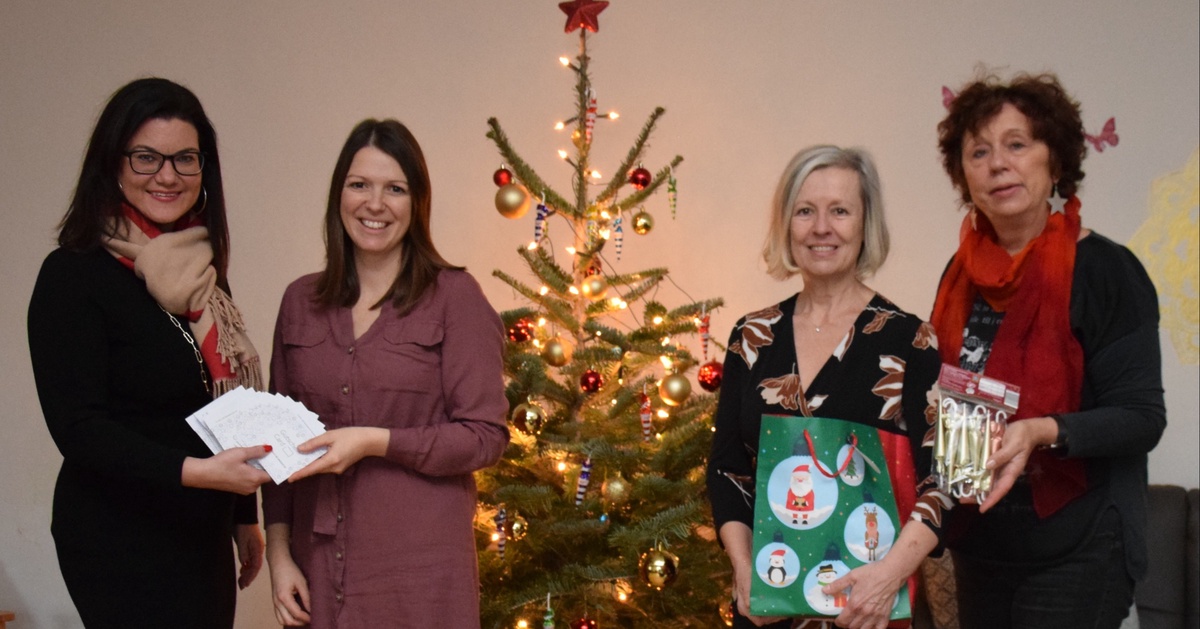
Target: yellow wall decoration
<point x="1167" y="244"/>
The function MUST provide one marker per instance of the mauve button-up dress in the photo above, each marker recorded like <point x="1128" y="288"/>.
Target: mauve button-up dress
<point x="389" y="543"/>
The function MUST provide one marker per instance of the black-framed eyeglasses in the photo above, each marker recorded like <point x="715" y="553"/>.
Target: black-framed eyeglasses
<point x="149" y="162"/>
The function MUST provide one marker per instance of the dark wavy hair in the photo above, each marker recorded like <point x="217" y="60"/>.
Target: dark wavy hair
<point x="1053" y="118"/>
<point x="98" y="197"/>
<point x="420" y="261"/>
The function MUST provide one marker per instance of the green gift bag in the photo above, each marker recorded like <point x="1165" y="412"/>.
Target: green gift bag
<point x="824" y="506"/>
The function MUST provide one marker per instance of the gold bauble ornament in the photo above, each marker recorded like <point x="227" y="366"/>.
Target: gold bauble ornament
<point x="516" y="527"/>
<point x="529" y="418"/>
<point x="674" y="389"/>
<point x="658" y="568"/>
<point x="642" y="223"/>
<point x="594" y="287"/>
<point x="512" y="201"/>
<point x="557" y="352"/>
<point x="615" y="489"/>
<point x="726" y="612"/>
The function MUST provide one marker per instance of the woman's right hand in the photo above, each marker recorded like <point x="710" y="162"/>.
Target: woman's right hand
<point x="736" y="536"/>
<point x="289" y="591"/>
<point x="741" y="596"/>
<point x="227" y="471"/>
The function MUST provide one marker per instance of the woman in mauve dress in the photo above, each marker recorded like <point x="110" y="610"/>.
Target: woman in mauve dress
<point x="399" y="353"/>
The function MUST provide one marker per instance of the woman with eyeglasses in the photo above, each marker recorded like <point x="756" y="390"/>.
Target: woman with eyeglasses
<point x="131" y="330"/>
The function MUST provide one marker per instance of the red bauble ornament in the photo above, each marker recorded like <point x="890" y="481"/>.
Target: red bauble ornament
<point x="709" y="375"/>
<point x="584" y="623"/>
<point x="520" y="331"/>
<point x="591" y="381"/>
<point x="583" y="13"/>
<point x="502" y="177"/>
<point x="640" y="177"/>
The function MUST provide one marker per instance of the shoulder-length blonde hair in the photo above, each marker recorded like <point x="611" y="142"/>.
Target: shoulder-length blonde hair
<point x="777" y="251"/>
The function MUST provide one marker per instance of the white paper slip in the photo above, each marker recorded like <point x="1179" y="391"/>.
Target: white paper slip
<point x="246" y="418"/>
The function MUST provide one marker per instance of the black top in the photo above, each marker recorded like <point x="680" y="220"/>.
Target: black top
<point x="116" y="378"/>
<point x="881" y="375"/>
<point x="1114" y="315"/>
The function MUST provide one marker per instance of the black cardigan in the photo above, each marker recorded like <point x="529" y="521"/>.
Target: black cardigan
<point x="1114" y="315"/>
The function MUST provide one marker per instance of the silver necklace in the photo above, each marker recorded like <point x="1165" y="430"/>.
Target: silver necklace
<point x="814" y="325"/>
<point x="191" y="342"/>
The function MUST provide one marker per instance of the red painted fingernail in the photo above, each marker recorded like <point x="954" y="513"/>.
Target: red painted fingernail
<point x="268" y="448"/>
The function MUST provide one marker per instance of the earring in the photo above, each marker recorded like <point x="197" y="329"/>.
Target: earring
<point x="204" y="202"/>
<point x="1057" y="203"/>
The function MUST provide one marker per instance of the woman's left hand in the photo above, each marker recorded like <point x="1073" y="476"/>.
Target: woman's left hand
<point x="869" y="605"/>
<point x="249" y="540"/>
<point x="347" y="446"/>
<point x="1021" y="438"/>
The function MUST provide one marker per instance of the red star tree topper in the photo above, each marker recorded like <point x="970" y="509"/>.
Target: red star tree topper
<point x="583" y="14"/>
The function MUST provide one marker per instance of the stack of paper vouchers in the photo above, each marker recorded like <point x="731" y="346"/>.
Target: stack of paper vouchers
<point x="245" y="418"/>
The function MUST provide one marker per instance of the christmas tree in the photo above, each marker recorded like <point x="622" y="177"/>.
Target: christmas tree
<point x="597" y="514"/>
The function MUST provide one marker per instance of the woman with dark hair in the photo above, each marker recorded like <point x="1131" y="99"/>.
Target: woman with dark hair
<point x="131" y="330"/>
<point x="1033" y="298"/>
<point x="400" y="354"/>
<point x="839" y="350"/>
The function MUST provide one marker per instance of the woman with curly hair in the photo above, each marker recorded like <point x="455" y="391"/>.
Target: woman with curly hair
<point x="1033" y="298"/>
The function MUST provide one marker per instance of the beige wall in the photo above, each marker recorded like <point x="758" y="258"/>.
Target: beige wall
<point x="745" y="85"/>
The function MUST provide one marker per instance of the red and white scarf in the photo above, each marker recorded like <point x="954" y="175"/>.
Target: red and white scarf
<point x="177" y="268"/>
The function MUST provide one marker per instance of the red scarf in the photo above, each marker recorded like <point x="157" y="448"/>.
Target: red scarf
<point x="1034" y="347"/>
<point x="175" y="266"/>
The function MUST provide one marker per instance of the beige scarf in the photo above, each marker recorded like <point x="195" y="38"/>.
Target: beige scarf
<point x="177" y="268"/>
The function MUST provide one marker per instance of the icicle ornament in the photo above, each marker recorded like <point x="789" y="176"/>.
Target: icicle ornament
<point x="585" y="476"/>
<point x="501" y="520"/>
<point x="589" y="121"/>
<point x="671" y="191"/>
<point x="540" y="227"/>
<point x="646" y="413"/>
<point x="618" y="236"/>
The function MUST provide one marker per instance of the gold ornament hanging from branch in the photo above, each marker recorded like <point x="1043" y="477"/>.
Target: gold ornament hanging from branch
<point x="674" y="389"/>
<point x="594" y="287"/>
<point x="557" y="352"/>
<point x="512" y="201"/>
<point x="642" y="223"/>
<point x="658" y="567"/>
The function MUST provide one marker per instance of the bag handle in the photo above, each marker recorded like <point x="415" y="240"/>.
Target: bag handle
<point x="853" y="440"/>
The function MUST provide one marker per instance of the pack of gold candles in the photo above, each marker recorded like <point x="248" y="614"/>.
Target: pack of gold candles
<point x="973" y="411"/>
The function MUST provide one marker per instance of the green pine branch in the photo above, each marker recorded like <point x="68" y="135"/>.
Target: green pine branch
<point x="523" y="171"/>
<point x="621" y="176"/>
<point x="671" y="524"/>
<point x="640" y="196"/>
<point x="558" y="309"/>
<point x="547" y="269"/>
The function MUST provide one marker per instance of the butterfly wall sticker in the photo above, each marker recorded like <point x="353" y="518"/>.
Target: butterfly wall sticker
<point x="1107" y="136"/>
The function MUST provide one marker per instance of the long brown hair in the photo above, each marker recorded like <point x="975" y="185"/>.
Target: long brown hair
<point x="97" y="197"/>
<point x="419" y="260"/>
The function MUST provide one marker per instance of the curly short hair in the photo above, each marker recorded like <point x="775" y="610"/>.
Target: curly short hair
<point x="1053" y="118"/>
<point x="777" y="251"/>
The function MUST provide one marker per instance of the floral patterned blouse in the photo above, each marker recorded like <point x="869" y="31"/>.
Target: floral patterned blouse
<point x="882" y="374"/>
